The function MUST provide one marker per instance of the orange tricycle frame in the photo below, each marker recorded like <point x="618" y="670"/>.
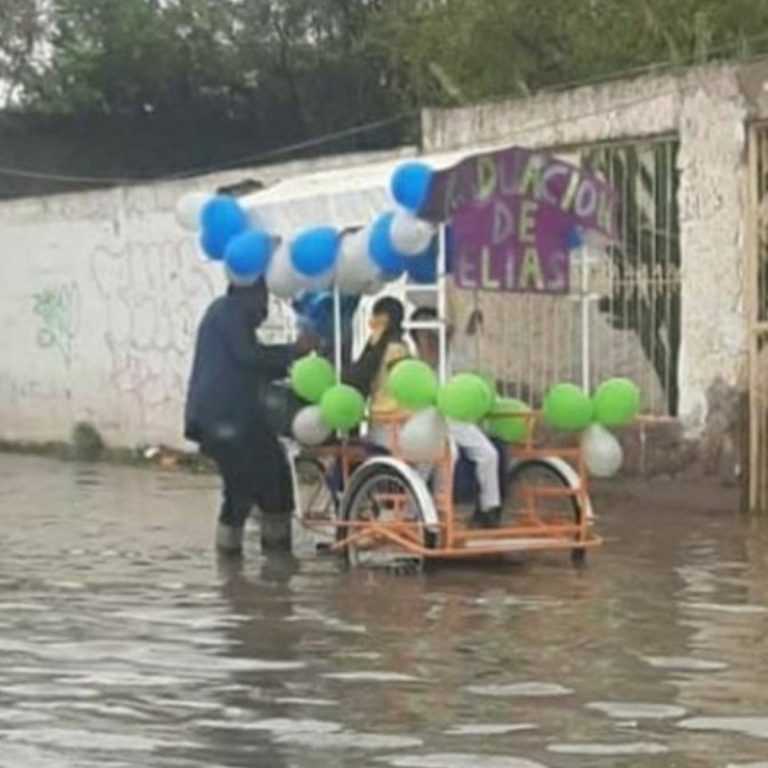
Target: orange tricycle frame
<point x="530" y="532"/>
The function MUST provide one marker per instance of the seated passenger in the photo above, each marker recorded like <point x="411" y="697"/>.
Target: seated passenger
<point x="468" y="438"/>
<point x="370" y="372"/>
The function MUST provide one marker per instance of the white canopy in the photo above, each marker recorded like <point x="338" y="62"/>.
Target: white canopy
<point x="343" y="197"/>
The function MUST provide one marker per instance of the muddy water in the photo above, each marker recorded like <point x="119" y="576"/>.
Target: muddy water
<point x="123" y="642"/>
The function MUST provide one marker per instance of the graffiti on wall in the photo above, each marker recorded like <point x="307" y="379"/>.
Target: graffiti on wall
<point x="153" y="295"/>
<point x="58" y="310"/>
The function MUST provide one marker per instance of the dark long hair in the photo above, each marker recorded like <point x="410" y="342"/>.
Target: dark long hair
<point x="362" y="373"/>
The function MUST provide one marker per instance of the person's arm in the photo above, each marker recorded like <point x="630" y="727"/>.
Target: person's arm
<point x="396" y="351"/>
<point x="273" y="359"/>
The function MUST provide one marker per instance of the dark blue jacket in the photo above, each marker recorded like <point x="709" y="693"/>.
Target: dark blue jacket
<point x="231" y="371"/>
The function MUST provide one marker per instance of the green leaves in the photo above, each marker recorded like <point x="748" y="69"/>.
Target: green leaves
<point x="164" y="85"/>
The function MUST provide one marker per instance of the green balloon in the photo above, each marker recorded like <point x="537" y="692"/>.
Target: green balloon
<point x="616" y="403"/>
<point x="342" y="407"/>
<point x="413" y="384"/>
<point x="312" y="377"/>
<point x="465" y="397"/>
<point x="568" y="407"/>
<point x="504" y="423"/>
<point x="490" y="384"/>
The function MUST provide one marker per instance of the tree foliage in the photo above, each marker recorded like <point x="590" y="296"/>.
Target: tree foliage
<point x="185" y="82"/>
<point x="128" y="56"/>
<point x="464" y="50"/>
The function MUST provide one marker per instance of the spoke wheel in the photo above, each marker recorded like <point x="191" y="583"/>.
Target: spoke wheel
<point x="528" y="502"/>
<point x="383" y="496"/>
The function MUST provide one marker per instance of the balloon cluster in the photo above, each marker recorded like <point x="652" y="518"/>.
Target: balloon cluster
<point x="466" y="397"/>
<point x="470" y="398"/>
<point x="331" y="406"/>
<point x="359" y="262"/>
<point x="613" y="405"/>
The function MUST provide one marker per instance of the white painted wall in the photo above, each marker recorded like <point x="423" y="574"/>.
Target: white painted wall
<point x="101" y="293"/>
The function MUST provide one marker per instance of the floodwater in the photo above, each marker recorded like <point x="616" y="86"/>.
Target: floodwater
<point x="124" y="643"/>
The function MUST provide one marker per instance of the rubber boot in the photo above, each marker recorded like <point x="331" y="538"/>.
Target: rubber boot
<point x="276" y="533"/>
<point x="229" y="539"/>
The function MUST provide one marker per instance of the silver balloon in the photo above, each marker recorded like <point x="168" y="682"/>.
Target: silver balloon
<point x="355" y="270"/>
<point x="410" y="236"/>
<point x="423" y="436"/>
<point x="308" y="426"/>
<point x="320" y="282"/>
<point x="375" y="287"/>
<point x="188" y="209"/>
<point x="603" y="454"/>
<point x="282" y="279"/>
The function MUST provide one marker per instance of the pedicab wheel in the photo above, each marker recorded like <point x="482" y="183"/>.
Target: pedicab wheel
<point x="385" y="495"/>
<point x="523" y="504"/>
<point x="318" y="502"/>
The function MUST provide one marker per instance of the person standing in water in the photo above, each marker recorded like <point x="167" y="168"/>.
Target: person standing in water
<point x="224" y="414"/>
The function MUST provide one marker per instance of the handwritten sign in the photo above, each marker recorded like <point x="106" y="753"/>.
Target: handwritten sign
<point x="512" y="215"/>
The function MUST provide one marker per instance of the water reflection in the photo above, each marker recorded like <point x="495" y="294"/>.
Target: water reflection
<point x="125" y="642"/>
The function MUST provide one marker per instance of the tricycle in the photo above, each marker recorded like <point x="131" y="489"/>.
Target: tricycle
<point x="375" y="509"/>
<point x="506" y="221"/>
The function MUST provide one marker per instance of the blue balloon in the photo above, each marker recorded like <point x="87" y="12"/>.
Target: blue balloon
<point x="385" y="257"/>
<point x="422" y="269"/>
<point x="410" y="185"/>
<point x="314" y="252"/>
<point x="221" y="219"/>
<point x="247" y="254"/>
<point x="315" y="313"/>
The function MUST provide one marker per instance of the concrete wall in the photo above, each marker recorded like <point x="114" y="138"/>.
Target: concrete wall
<point x="101" y="292"/>
<point x="707" y="109"/>
<point x="100" y="296"/>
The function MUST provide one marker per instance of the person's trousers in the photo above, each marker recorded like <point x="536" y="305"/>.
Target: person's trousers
<point x="254" y="471"/>
<point x="473" y="442"/>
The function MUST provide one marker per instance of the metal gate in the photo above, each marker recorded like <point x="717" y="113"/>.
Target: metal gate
<point x="756" y="291"/>
<point x="623" y="316"/>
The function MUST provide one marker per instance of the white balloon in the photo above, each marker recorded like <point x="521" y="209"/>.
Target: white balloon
<point x="374" y="287"/>
<point x="321" y="282"/>
<point x="282" y="279"/>
<point x="410" y="236"/>
<point x="355" y="269"/>
<point x="423" y="436"/>
<point x="308" y="426"/>
<point x="603" y="454"/>
<point x="188" y="209"/>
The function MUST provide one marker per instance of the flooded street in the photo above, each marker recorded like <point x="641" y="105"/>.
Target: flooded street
<point x="125" y="643"/>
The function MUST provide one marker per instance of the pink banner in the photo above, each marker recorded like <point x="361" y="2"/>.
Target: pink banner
<point x="515" y="215"/>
